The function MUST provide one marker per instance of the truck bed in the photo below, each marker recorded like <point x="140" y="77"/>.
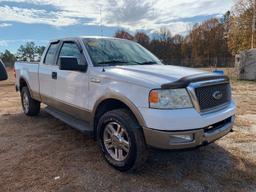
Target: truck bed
<point x="28" y="70"/>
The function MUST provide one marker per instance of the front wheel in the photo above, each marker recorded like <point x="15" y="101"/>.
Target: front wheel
<point x="30" y="106"/>
<point x="121" y="140"/>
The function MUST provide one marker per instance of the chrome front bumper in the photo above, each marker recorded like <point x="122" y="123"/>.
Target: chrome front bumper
<point x="187" y="139"/>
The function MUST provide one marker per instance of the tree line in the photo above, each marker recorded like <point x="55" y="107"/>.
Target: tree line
<point x="204" y="45"/>
<point x="211" y="43"/>
<point x="27" y="52"/>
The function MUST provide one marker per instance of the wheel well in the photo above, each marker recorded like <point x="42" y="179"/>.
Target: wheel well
<point x="108" y="105"/>
<point x="23" y="83"/>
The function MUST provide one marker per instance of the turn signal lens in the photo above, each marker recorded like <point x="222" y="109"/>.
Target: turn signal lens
<point x="153" y="97"/>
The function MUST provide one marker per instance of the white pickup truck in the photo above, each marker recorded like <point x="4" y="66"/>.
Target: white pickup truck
<point x="125" y="98"/>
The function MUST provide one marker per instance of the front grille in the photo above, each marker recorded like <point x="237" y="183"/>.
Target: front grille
<point x="213" y="96"/>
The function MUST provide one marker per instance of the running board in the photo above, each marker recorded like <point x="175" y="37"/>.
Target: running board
<point x="79" y="125"/>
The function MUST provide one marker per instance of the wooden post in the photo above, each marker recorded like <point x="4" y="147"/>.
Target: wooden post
<point x="253" y="23"/>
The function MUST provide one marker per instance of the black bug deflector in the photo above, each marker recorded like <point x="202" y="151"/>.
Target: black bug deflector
<point x="185" y="81"/>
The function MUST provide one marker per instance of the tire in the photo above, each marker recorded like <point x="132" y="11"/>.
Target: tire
<point x="30" y="106"/>
<point x="134" y="153"/>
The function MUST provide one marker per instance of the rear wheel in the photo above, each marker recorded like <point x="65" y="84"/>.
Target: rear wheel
<point x="121" y="140"/>
<point x="30" y="106"/>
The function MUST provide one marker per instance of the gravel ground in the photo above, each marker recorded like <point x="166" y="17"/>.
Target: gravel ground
<point x="43" y="154"/>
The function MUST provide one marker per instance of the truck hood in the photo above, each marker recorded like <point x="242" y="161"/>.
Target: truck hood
<point x="151" y="75"/>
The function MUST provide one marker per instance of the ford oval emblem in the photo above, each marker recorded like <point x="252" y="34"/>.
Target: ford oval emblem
<point x="217" y="95"/>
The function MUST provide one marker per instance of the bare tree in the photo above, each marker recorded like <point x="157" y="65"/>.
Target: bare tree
<point x="241" y="22"/>
<point x="123" y="35"/>
<point x="165" y="34"/>
<point x="142" y="38"/>
<point x="204" y="46"/>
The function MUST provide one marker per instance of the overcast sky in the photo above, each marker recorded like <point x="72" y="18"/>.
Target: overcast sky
<point x="41" y="20"/>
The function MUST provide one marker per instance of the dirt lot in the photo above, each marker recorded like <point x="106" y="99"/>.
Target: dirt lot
<point x="43" y="154"/>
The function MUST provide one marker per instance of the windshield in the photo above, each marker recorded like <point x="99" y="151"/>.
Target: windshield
<point x="118" y="52"/>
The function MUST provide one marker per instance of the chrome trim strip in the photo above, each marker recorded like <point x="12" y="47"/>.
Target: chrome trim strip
<point x="95" y="80"/>
<point x="192" y="94"/>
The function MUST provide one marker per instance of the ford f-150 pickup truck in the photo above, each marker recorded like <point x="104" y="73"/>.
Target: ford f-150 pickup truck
<point x="124" y="97"/>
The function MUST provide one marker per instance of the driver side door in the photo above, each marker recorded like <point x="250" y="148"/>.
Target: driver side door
<point x="72" y="86"/>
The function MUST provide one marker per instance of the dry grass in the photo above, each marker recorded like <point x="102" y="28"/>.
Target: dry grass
<point x="33" y="151"/>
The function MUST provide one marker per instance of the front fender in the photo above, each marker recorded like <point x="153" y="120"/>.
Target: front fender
<point x="123" y="99"/>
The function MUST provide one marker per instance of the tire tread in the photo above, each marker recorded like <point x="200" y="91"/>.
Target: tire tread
<point x="141" y="148"/>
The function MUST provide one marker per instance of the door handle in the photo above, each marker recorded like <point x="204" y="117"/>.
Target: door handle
<point x="54" y="75"/>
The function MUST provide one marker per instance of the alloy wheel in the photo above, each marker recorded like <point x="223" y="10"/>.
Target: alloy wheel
<point x="116" y="141"/>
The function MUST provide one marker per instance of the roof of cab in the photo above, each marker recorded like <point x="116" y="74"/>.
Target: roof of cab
<point x="81" y="37"/>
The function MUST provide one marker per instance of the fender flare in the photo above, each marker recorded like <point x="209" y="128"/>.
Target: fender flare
<point x="29" y="88"/>
<point x="123" y="99"/>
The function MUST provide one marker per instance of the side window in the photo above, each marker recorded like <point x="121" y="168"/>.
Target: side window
<point x="50" y="56"/>
<point x="70" y="49"/>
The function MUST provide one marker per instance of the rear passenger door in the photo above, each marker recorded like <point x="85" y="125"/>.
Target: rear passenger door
<point x="47" y="74"/>
<point x="72" y="86"/>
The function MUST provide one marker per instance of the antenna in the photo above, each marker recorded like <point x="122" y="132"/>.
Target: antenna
<point x="101" y="28"/>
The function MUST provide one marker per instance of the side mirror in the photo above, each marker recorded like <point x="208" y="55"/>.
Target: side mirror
<point x="3" y="72"/>
<point x="71" y="64"/>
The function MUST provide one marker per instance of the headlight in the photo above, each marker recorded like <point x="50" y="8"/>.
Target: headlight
<point x="169" y="99"/>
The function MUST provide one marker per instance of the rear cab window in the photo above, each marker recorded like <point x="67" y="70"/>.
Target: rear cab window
<point x="51" y="54"/>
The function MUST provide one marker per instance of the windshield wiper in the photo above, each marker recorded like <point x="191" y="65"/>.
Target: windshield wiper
<point x="111" y="62"/>
<point x="145" y="62"/>
<point x="114" y="62"/>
